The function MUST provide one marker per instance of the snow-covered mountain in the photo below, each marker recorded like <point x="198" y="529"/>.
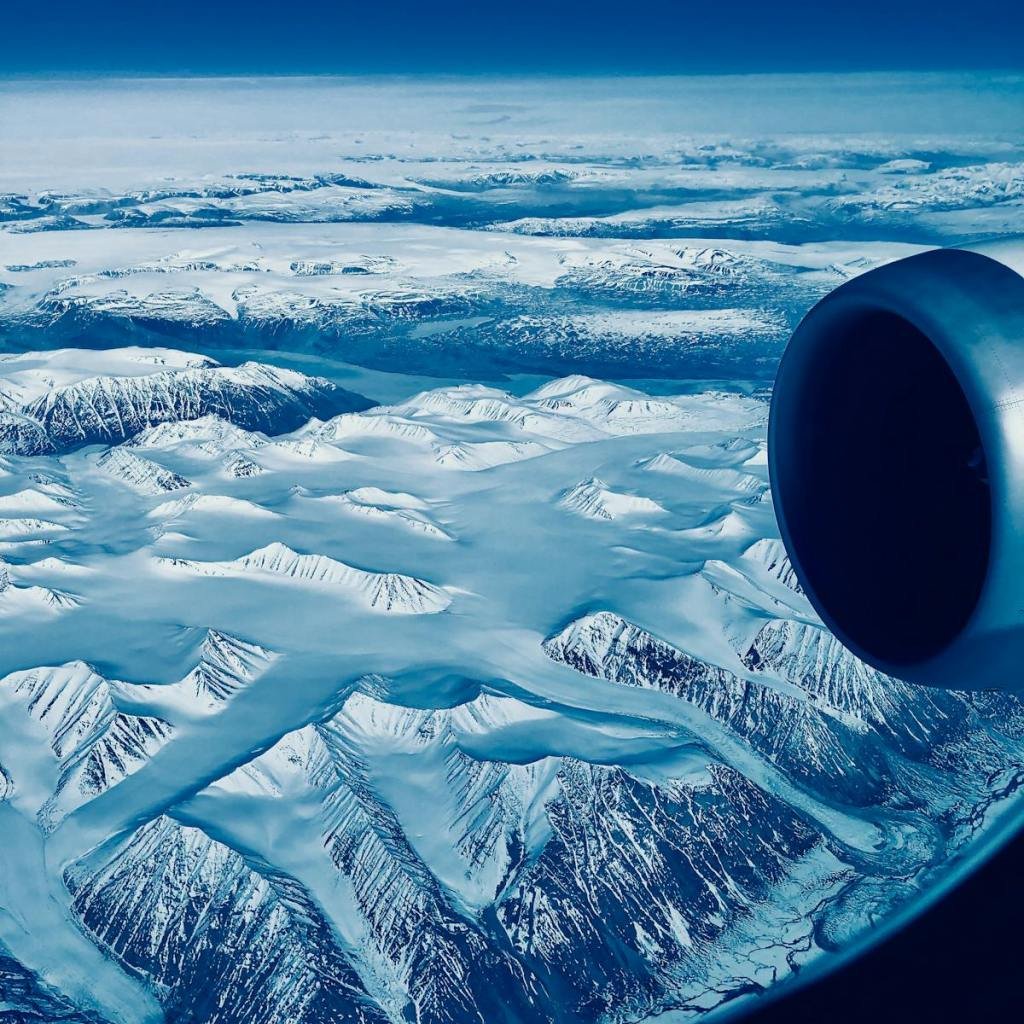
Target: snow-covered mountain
<point x="53" y="408"/>
<point x="394" y="628"/>
<point x="678" y="259"/>
<point x="385" y="592"/>
<point x="543" y="731"/>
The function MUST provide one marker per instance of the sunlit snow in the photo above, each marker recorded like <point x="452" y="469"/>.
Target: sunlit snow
<point x="394" y="623"/>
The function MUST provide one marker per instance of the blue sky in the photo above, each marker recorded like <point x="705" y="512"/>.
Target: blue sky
<point x="396" y="36"/>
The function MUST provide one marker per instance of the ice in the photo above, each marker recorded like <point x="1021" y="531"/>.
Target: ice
<point x="394" y="621"/>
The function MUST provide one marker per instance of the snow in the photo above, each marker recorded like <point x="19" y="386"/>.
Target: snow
<point x="21" y="599"/>
<point x="379" y="506"/>
<point x="593" y="498"/>
<point x="212" y="503"/>
<point x="27" y="527"/>
<point x="496" y="682"/>
<point x="391" y="593"/>
<point x="207" y="435"/>
<point x="225" y="665"/>
<point x="296" y="672"/>
<point x="138" y="473"/>
<point x="32" y="500"/>
<point x="110" y="407"/>
<point x="28" y="377"/>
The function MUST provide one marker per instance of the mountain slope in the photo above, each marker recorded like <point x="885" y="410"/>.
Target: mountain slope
<point x="272" y="751"/>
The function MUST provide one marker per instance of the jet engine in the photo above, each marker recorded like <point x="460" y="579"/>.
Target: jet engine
<point x="896" y="453"/>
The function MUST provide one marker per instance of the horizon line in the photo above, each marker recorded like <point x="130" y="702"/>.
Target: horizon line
<point x="128" y="74"/>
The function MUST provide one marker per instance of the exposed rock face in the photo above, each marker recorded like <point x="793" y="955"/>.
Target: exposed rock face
<point x="476" y="706"/>
<point x="108" y="409"/>
<point x="27" y="999"/>
<point x="498" y="702"/>
<point x="391" y="593"/>
<point x="95" y="744"/>
<point x="223" y="942"/>
<point x="251" y="396"/>
<point x="138" y="473"/>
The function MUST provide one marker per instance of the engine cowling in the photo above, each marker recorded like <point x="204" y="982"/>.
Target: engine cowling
<point x="896" y="453"/>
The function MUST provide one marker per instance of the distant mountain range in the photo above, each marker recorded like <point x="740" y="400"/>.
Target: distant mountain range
<point x="477" y="256"/>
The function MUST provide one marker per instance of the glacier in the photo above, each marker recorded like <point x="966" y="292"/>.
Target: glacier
<point x="394" y="626"/>
<point x="592" y="755"/>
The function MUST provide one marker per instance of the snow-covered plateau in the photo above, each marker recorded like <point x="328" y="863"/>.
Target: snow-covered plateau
<point x="394" y="626"/>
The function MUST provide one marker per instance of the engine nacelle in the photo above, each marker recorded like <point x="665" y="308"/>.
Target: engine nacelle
<point x="896" y="452"/>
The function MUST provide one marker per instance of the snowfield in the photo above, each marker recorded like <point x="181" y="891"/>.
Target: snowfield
<point x="393" y="621"/>
<point x="598" y="725"/>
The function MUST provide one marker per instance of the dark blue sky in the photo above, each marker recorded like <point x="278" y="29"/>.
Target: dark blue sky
<point x="628" y="36"/>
